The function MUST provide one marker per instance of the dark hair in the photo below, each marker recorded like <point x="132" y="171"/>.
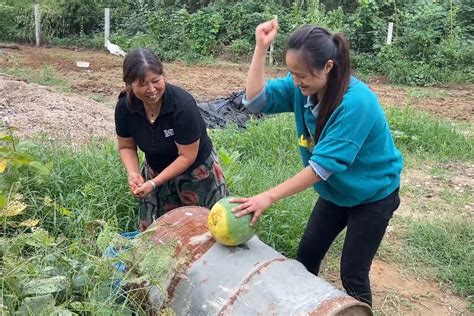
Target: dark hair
<point x="135" y="66"/>
<point x="316" y="46"/>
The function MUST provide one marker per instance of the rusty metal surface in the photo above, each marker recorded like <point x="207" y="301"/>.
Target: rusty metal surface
<point x="252" y="279"/>
<point x="342" y="306"/>
<point x="256" y="280"/>
<point x="188" y="225"/>
<point x="227" y="308"/>
<point x="212" y="279"/>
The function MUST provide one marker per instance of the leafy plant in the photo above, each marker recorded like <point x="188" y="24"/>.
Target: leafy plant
<point x="432" y="41"/>
<point x="365" y="28"/>
<point x="12" y="161"/>
<point x="231" y="165"/>
<point x="204" y="28"/>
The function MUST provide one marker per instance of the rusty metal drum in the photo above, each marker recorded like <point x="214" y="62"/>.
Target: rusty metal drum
<point x="251" y="279"/>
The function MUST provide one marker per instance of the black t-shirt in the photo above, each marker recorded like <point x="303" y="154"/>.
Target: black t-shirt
<point x="179" y="122"/>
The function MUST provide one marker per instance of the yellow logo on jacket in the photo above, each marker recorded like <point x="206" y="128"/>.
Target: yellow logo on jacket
<point x="305" y="142"/>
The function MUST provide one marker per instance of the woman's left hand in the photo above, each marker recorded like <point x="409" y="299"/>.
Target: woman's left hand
<point x="256" y="204"/>
<point x="145" y="189"/>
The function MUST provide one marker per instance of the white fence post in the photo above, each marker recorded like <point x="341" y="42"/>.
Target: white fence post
<point x="37" y="24"/>
<point x="270" y="57"/>
<point x="106" y="25"/>
<point x="389" y="33"/>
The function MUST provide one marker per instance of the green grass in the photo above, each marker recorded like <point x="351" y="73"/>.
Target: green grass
<point x="423" y="93"/>
<point x="418" y="134"/>
<point x="90" y="183"/>
<point x="45" y="76"/>
<point x="101" y="98"/>
<point x="436" y="248"/>
<point x="457" y="200"/>
<point x="448" y="247"/>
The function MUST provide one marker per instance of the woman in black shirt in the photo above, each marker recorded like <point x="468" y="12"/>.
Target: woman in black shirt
<point x="163" y="120"/>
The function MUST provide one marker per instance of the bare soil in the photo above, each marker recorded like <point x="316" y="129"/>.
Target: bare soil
<point x="396" y="292"/>
<point x="453" y="102"/>
<point x="75" y="117"/>
<point x="429" y="193"/>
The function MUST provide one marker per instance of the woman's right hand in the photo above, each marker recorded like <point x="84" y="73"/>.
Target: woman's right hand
<point x="135" y="181"/>
<point x="265" y="33"/>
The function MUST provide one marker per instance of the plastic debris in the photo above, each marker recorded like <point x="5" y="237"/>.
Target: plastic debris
<point x="82" y="64"/>
<point x="219" y="112"/>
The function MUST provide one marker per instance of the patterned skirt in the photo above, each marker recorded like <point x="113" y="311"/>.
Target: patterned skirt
<point x="202" y="186"/>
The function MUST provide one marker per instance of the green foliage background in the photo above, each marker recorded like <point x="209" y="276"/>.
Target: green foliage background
<point x="433" y="39"/>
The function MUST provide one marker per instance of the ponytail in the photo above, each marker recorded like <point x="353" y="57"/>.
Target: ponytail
<point x="337" y="84"/>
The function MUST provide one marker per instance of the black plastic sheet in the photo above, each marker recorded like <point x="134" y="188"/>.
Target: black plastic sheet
<point x="219" y="112"/>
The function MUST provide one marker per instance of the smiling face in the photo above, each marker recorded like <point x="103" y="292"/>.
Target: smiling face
<point x="310" y="81"/>
<point x="151" y="89"/>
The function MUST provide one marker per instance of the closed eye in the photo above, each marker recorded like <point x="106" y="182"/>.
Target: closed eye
<point x="299" y="76"/>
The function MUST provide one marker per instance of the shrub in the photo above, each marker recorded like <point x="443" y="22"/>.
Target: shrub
<point x="240" y="48"/>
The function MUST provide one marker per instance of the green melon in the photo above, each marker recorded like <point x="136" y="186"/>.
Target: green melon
<point x="226" y="228"/>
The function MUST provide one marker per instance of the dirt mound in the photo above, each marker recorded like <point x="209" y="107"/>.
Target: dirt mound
<point x="35" y="110"/>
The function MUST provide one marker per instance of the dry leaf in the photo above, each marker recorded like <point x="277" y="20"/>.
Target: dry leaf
<point x="47" y="201"/>
<point x="3" y="165"/>
<point x="13" y="208"/>
<point x="29" y="223"/>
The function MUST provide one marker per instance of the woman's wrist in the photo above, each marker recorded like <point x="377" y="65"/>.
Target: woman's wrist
<point x="153" y="184"/>
<point x="260" y="51"/>
<point x="271" y="195"/>
<point x="132" y="173"/>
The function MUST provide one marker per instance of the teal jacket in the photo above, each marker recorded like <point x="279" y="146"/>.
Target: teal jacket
<point x="355" y="156"/>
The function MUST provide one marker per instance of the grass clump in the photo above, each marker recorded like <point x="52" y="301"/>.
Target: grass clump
<point x="84" y="187"/>
<point x="416" y="133"/>
<point x="45" y="76"/>
<point x="448" y="247"/>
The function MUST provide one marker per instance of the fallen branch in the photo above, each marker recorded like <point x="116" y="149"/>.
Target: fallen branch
<point x="11" y="46"/>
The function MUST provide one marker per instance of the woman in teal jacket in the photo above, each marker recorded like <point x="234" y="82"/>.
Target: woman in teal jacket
<point x="348" y="153"/>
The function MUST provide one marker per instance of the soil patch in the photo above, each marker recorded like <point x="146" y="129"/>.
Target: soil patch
<point x="430" y="191"/>
<point x="455" y="102"/>
<point x="36" y="110"/>
<point x="396" y="293"/>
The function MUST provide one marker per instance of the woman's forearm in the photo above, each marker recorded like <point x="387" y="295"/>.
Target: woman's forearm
<point x="177" y="167"/>
<point x="256" y="76"/>
<point x="129" y="158"/>
<point x="302" y="180"/>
